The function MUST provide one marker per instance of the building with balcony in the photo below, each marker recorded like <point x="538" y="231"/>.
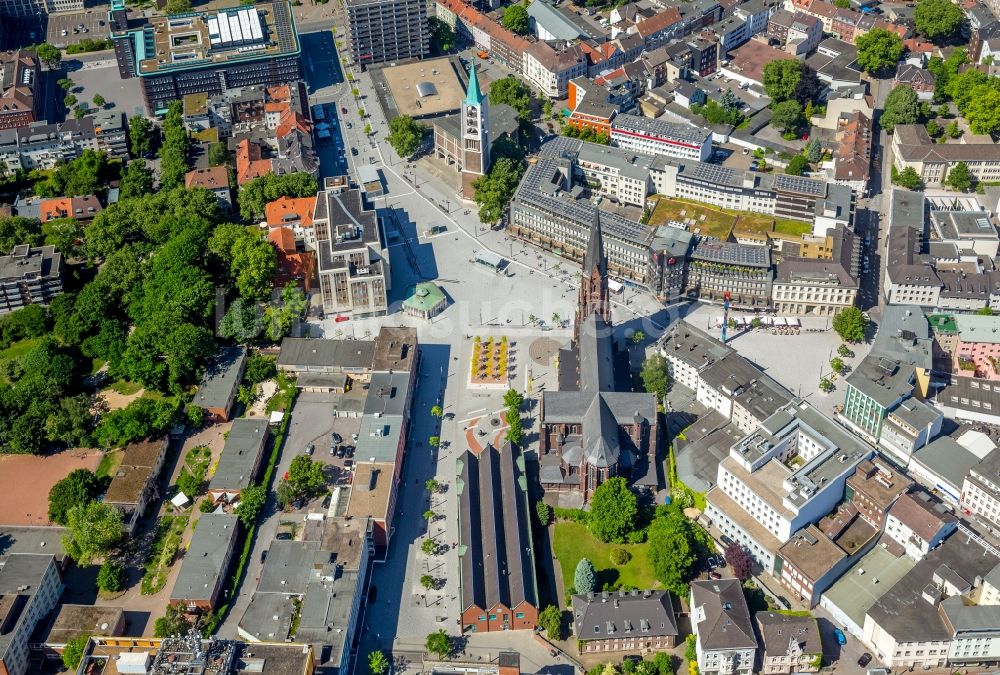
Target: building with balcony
<point x="791" y="644"/>
<point x="209" y="52"/>
<point x="383" y="32"/>
<point x="29" y="276"/>
<point x="918" y="522"/>
<point x="353" y="259"/>
<point x="30" y="587"/>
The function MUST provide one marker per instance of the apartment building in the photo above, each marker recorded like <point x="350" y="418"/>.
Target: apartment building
<point x="30" y="587"/>
<point x="624" y="621"/>
<point x="977" y="353"/>
<point x="551" y="68"/>
<point x="787" y="474"/>
<point x="620" y="175"/>
<point x="210" y="52"/>
<point x="792" y="644"/>
<point x="20" y="72"/>
<point x="353" y="267"/>
<point x="724" y="637"/>
<point x="909" y="427"/>
<point x="26" y="8"/>
<point x="382" y="32"/>
<point x="819" y="287"/>
<point x="808" y="563"/>
<point x="658" y="137"/>
<point x="198" y="585"/>
<point x="40" y="145"/>
<point x="874" y="488"/>
<point x="913" y="148"/>
<point x="29" y="276"/>
<point x="799" y="33"/>
<point x="133" y="486"/>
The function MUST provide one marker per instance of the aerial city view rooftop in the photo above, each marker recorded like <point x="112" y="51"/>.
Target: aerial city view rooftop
<point x="489" y="337"/>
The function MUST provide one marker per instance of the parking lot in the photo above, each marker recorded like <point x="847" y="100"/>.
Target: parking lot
<point x="70" y="28"/>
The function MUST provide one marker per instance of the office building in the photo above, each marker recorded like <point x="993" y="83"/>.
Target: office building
<point x="624" y="621"/>
<point x="209" y="52"/>
<point x="659" y="137"/>
<point x="913" y="148"/>
<point x="386" y="31"/>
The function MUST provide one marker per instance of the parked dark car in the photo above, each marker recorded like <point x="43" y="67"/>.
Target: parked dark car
<point x="865" y="659"/>
<point x="263" y="556"/>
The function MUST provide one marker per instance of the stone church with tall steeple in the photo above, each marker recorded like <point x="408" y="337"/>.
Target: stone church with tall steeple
<point x="466" y="139"/>
<point x="594" y="428"/>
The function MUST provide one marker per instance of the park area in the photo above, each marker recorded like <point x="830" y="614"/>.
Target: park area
<point x="711" y="221"/>
<point x="574" y="541"/>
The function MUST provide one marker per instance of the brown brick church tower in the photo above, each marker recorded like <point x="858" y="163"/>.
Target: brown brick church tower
<point x="594" y="294"/>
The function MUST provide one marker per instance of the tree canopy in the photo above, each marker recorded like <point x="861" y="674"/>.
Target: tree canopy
<point x="495" y="190"/>
<point x="787" y="116"/>
<point x="255" y="194"/>
<point x="584" y="577"/>
<point x="405" y="135"/>
<point x="49" y="55"/>
<point x="513" y="92"/>
<point x="88" y="174"/>
<point x="79" y="488"/>
<point x="94" y="530"/>
<point x="613" y="510"/>
<point x="938" y="20"/>
<point x="136" y="180"/>
<point x="674" y="547"/>
<point x="901" y="107"/>
<point x="442" y="36"/>
<point x="879" y="50"/>
<point x="959" y="178"/>
<point x="655" y="375"/>
<point x="787" y="79"/>
<point x="850" y="325"/>
<point x="515" y="19"/>
<point x="798" y="165"/>
<point x="438" y="643"/>
<point x="142" y="135"/>
<point x="907" y="178"/>
<point x="252" y="501"/>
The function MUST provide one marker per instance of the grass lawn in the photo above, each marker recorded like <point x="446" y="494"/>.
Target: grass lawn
<point x="110" y="463"/>
<point x="126" y="388"/>
<point x="574" y="541"/>
<point x="795" y="228"/>
<point x="162" y="553"/>
<point x="708" y="221"/>
<point x="19" y="348"/>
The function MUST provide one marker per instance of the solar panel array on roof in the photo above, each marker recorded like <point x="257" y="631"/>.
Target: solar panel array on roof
<point x="712" y="173"/>
<point x="283" y="26"/>
<point x="805" y="186"/>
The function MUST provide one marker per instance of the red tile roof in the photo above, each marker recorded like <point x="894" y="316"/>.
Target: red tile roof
<point x="659" y="22"/>
<point x="286" y="209"/>
<point x="249" y="162"/>
<point x="212" y="178"/>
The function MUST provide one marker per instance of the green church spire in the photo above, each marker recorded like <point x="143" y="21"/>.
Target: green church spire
<point x="474" y="96"/>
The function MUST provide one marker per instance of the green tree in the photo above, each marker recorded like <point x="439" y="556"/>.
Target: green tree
<point x="195" y="416"/>
<point x="982" y="112"/>
<point x="494" y="191"/>
<point x="79" y="488"/>
<point x="798" y="165"/>
<point x="49" y="55"/>
<point x="584" y="577"/>
<point x="136" y="180"/>
<point x="436" y="411"/>
<point x="787" y="116"/>
<point x="837" y="364"/>
<point x="405" y="135"/>
<point x="613" y="510"/>
<point x="788" y="79"/>
<point x="442" y="36"/>
<point x="431" y="485"/>
<point x="427" y="581"/>
<point x="959" y="178"/>
<point x="378" y="663"/>
<point x="242" y="322"/>
<point x="279" y="317"/>
<point x="850" y="325"/>
<point x="428" y="546"/>
<point x="306" y="476"/>
<point x="434" y="441"/>
<point x="252" y="500"/>
<point x="174" y="622"/>
<point x="672" y="553"/>
<point x="953" y="130"/>
<point x="843" y="4"/>
<point x="142" y="135"/>
<point x="825" y="385"/>
<point x="73" y="652"/>
<point x="907" y="178"/>
<point x="550" y="619"/>
<point x="429" y="514"/>
<point x="814" y="151"/>
<point x="513" y="400"/>
<point x="178" y="6"/>
<point x="255" y="261"/>
<point x="99" y="100"/>
<point x="513" y="92"/>
<point x="218" y="154"/>
<point x="938" y="20"/>
<point x="69" y="100"/>
<point x="255" y="194"/>
<point x="985" y="311"/>
<point x="94" y="530"/>
<point x="439" y="644"/>
<point x="933" y="128"/>
<point x="111" y="577"/>
<point x="544" y="513"/>
<point x="879" y="50"/>
<point x="901" y="107"/>
<point x="845" y="352"/>
<point x="66" y="84"/>
<point x="515" y="19"/>
<point x="638" y="337"/>
<point x="655" y="377"/>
